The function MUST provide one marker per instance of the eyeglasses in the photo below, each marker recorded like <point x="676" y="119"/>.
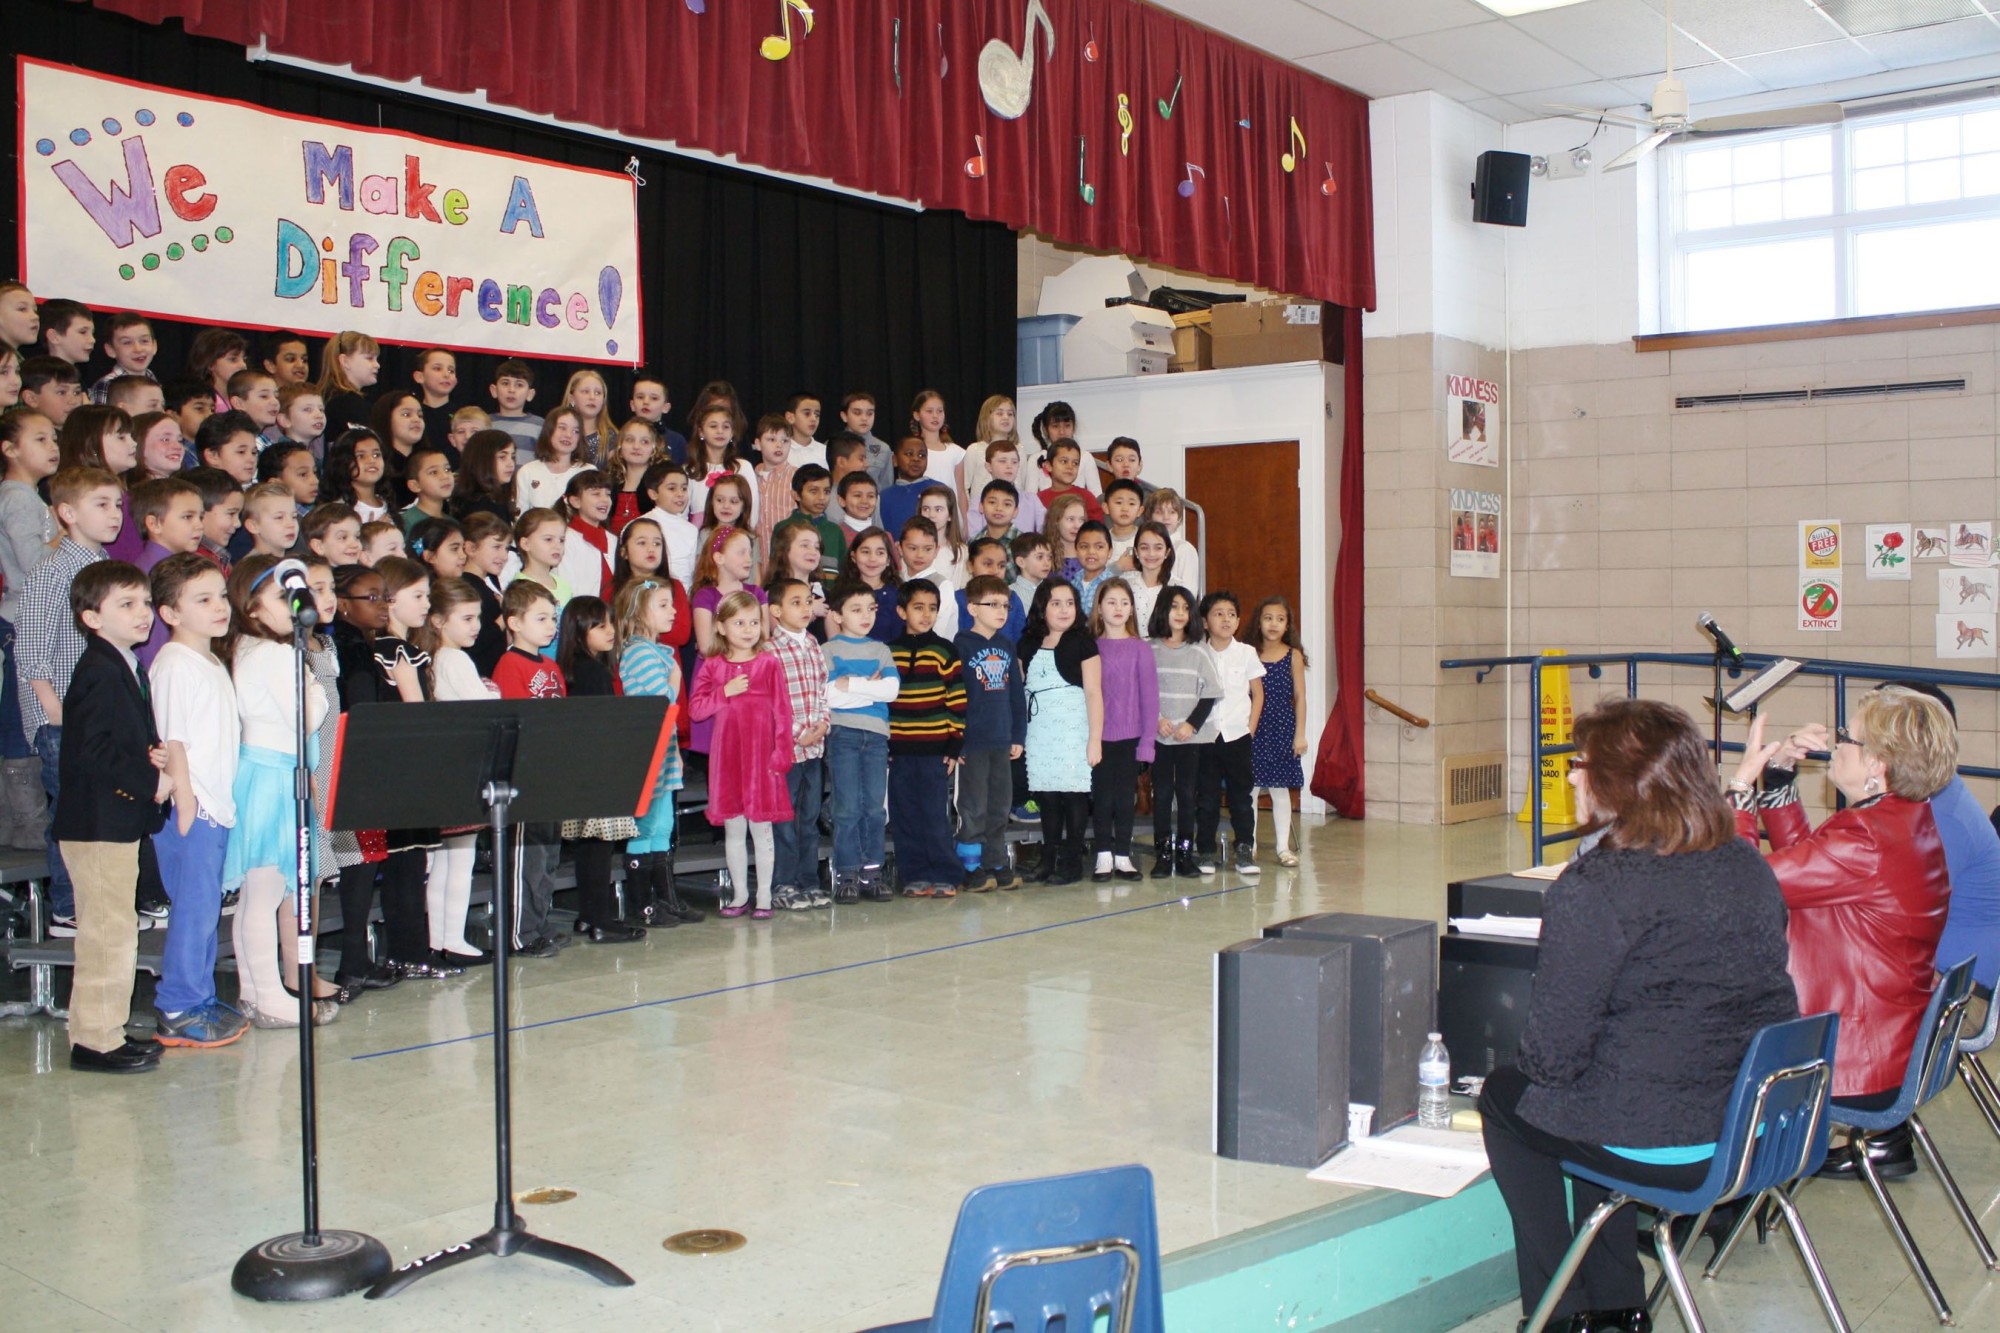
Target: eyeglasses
<point x="1842" y="737"/>
<point x="990" y="604"/>
<point x="1578" y="763"/>
<point x="363" y="597"/>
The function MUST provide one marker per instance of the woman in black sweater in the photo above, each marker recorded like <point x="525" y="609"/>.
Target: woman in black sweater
<point x="1662" y="954"/>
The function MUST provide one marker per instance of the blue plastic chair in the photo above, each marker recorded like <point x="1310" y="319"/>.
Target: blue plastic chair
<point x="1774" y="1131"/>
<point x="1030" y="1253"/>
<point x="1933" y="1057"/>
<point x="1972" y="1069"/>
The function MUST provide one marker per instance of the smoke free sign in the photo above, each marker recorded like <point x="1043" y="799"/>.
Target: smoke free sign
<point x="138" y="197"/>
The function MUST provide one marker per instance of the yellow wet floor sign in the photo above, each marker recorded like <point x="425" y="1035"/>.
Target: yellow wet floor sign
<point x="1557" y="797"/>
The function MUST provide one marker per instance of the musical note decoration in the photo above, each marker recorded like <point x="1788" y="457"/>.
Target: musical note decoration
<point x="1091" y="50"/>
<point x="697" y="6"/>
<point x="1290" y="161"/>
<point x="779" y="45"/>
<point x="896" y="53"/>
<point x="1007" y="77"/>
<point x="1124" y="125"/>
<point x="1186" y="187"/>
<point x="1329" y="185"/>
<point x="975" y="166"/>
<point x="1083" y="185"/>
<point x="944" y="61"/>
<point x="1167" y="105"/>
<point x="1243" y="124"/>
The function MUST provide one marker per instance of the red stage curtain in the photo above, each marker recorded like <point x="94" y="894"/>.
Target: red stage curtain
<point x="1337" y="767"/>
<point x="886" y="95"/>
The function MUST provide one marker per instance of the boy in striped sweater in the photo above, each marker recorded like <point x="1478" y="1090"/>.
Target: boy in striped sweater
<point x="926" y="729"/>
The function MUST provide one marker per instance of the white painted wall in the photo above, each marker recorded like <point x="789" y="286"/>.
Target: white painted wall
<point x="1575" y="275"/>
<point x="1169" y="414"/>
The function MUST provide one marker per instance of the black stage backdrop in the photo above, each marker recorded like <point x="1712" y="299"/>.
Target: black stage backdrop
<point x="778" y="288"/>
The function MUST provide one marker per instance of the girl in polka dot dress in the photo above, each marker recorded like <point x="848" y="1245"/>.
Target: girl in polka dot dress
<point x="1280" y="739"/>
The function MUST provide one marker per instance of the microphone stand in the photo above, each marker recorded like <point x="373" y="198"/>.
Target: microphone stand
<point x="312" y="1264"/>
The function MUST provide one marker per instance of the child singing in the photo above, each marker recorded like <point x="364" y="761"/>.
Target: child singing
<point x="740" y="691"/>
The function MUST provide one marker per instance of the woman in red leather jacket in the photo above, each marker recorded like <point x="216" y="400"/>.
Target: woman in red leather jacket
<point x="1867" y="889"/>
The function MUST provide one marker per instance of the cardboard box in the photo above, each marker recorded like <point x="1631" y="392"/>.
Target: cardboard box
<point x="1194" y="349"/>
<point x="1270" y="333"/>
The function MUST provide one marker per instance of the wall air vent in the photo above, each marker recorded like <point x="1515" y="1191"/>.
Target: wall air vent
<point x="1754" y="397"/>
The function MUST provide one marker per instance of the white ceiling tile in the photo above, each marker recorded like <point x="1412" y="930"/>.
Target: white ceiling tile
<point x="1381" y="70"/>
<point x="1390" y="19"/>
<point x="1495" y="57"/>
<point x="1502" y="110"/>
<point x="1941" y="41"/>
<point x="1751" y="27"/>
<point x="1811" y="64"/>
<point x="1288" y="28"/>
<point x="1610" y="38"/>
<point x="1604" y="96"/>
<point x="1715" y="81"/>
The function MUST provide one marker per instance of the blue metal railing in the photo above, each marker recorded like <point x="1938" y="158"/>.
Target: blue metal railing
<point x="1840" y="673"/>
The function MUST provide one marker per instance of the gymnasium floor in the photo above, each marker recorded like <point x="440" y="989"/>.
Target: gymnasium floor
<point x="829" y="1085"/>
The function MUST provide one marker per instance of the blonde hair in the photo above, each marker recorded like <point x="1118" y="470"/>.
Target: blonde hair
<point x="1052" y="520"/>
<point x="628" y="609"/>
<point x="604" y="426"/>
<point x="732" y="606"/>
<point x="985" y="428"/>
<point x="270" y="490"/>
<point x="332" y="379"/>
<point x="1166" y="495"/>
<point x="1913" y="736"/>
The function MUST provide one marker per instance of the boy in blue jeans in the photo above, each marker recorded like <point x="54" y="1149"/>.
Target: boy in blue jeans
<point x="861" y="683"/>
<point x="194" y="711"/>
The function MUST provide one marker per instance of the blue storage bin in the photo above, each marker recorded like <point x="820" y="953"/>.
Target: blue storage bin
<point x="1038" y="356"/>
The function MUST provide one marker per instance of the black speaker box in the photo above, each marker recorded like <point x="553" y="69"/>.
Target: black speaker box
<point x="1395" y="990"/>
<point x="1500" y="189"/>
<point x="1281" y="1050"/>
<point x="1484" y="984"/>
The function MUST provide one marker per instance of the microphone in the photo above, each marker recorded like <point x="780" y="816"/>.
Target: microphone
<point x="291" y="577"/>
<point x="1723" y="644"/>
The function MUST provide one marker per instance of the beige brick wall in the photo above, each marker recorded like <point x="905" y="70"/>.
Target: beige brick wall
<point x="1632" y="516"/>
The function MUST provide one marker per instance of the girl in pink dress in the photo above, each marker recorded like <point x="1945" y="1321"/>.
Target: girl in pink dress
<point x="740" y="691"/>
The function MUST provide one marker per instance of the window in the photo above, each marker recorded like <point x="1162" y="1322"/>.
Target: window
<point x="1887" y="214"/>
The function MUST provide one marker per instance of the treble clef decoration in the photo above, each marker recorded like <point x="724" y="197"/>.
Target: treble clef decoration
<point x="1007" y="78"/>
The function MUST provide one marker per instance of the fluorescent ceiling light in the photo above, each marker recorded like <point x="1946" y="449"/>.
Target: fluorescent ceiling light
<point x="1511" y="8"/>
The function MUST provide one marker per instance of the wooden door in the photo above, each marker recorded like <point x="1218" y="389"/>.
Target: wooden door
<point x="1250" y="495"/>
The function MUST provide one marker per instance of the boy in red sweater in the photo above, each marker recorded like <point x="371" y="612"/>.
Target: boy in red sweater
<point x="1065" y="458"/>
<point x="528" y="615"/>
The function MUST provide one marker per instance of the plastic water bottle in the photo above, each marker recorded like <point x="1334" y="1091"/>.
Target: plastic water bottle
<point x="1434" y="1084"/>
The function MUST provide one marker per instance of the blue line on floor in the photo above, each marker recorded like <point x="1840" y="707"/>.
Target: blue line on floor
<point x="817" y="972"/>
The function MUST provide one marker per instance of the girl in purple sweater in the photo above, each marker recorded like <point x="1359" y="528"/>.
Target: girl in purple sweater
<point x="1131" y="710"/>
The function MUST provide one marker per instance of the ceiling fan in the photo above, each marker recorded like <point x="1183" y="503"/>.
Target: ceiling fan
<point x="1670" y="118"/>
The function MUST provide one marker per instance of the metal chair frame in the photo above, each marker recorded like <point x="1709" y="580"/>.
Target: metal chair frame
<point x="1978" y="1083"/>
<point x="1817" y="1076"/>
<point x="1123" y="1301"/>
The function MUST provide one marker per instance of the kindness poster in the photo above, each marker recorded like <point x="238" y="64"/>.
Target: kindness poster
<point x="137" y="197"/>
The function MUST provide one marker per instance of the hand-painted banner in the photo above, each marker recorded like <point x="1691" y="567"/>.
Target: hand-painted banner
<point x="135" y="197"/>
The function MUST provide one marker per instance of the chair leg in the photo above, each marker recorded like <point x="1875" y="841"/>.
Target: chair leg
<point x="1661" y="1284"/>
<point x="1952" y="1192"/>
<point x="1572" y="1260"/>
<point x="1980" y="1084"/>
<point x="1821" y="1286"/>
<point x="1670" y="1267"/>
<point x="1743" y="1223"/>
<point x="1901" y="1231"/>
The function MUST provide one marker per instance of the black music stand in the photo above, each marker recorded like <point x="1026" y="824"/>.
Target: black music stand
<point x="504" y="762"/>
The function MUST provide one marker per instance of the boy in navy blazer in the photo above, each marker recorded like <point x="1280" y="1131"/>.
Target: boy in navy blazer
<point x="110" y="796"/>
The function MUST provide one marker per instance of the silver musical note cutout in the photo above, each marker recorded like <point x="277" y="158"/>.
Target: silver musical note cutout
<point x="1007" y="78"/>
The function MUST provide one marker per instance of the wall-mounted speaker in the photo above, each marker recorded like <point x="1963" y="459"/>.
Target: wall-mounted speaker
<point x="1500" y="189"/>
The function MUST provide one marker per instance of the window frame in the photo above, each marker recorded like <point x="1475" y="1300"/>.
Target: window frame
<point x="1842" y="224"/>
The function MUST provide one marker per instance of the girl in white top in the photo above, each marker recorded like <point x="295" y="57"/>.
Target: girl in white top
<point x="712" y="455"/>
<point x="927" y="424"/>
<point x="586" y="393"/>
<point x="996" y="422"/>
<point x="539" y="484"/>
<point x="1166" y="508"/>
<point x="451" y="628"/>
<point x="670" y="510"/>
<point x="1153" y="550"/>
<point x="263" y="846"/>
<point x="939" y="507"/>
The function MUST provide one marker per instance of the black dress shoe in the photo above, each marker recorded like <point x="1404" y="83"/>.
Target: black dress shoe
<point x="377" y="977"/>
<point x="478" y="958"/>
<point x="1891" y="1151"/>
<point x="1631" y="1319"/>
<point x="616" y="932"/>
<point x="1720" y="1222"/>
<point x="131" y="1058"/>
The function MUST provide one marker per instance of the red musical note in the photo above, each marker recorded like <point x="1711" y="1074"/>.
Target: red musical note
<point x="1090" y="48"/>
<point x="975" y="166"/>
<point x="1328" y="186"/>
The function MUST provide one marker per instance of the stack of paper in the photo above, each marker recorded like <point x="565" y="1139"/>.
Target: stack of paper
<point x="1517" y="927"/>
<point x="1436" y="1162"/>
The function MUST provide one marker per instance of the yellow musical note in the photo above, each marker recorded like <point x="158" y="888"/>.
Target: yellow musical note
<point x="1007" y="78"/>
<point x="1124" y="125"/>
<point x="1290" y="161"/>
<point x="779" y="45"/>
